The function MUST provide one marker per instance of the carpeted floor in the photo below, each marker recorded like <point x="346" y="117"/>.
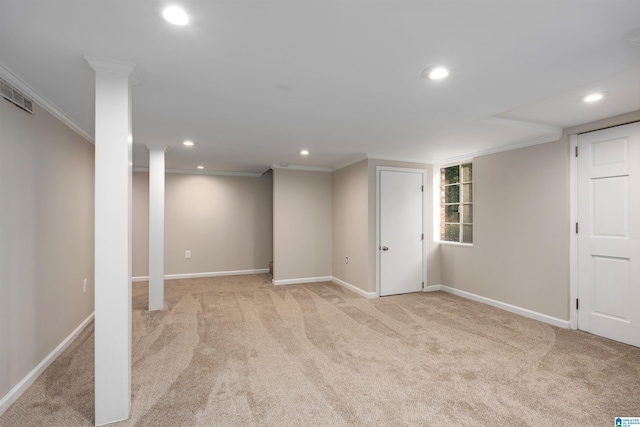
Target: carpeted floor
<point x="237" y="351"/>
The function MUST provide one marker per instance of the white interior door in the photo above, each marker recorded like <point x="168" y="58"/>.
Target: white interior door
<point x="401" y="232"/>
<point x="609" y="233"/>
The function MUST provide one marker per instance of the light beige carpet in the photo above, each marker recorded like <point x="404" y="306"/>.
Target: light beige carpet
<point x="237" y="351"/>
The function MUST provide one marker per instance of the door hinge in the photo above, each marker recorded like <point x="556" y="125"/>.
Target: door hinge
<point x="422" y="285"/>
<point x="422" y="188"/>
<point x="577" y="303"/>
<point x="576" y="151"/>
<point x="422" y="237"/>
<point x="576" y="228"/>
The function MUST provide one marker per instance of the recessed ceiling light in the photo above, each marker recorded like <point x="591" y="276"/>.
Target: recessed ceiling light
<point x="594" y="97"/>
<point x="200" y="167"/>
<point x="435" y="73"/>
<point x="304" y="152"/>
<point x="175" y="15"/>
<point x="188" y="143"/>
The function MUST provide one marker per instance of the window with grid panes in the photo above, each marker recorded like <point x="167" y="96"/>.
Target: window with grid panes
<point x="456" y="203"/>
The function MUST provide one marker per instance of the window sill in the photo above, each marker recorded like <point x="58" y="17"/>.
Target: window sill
<point x="464" y="245"/>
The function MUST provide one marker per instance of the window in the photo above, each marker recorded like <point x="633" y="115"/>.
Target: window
<point x="456" y="203"/>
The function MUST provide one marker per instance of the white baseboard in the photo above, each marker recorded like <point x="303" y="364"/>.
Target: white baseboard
<point x="432" y="288"/>
<point x="565" y="324"/>
<point x="24" y="384"/>
<point x="207" y="274"/>
<point x="301" y="280"/>
<point x="354" y="289"/>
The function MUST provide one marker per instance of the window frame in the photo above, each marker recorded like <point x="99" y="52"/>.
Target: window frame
<point x="460" y="203"/>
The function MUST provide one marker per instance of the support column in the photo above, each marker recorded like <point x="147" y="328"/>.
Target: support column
<point x="113" y="167"/>
<point x="156" y="226"/>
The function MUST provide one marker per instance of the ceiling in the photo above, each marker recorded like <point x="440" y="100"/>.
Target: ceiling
<point x="254" y="82"/>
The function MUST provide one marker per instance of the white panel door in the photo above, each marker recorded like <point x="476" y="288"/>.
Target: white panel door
<point x="401" y="232"/>
<point x="609" y="233"/>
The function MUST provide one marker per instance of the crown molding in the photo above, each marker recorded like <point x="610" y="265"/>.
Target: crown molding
<point x="350" y="162"/>
<point x="500" y="121"/>
<point x="114" y="67"/>
<point x="302" y="168"/>
<point x="42" y="101"/>
<point x="204" y="172"/>
<point x="400" y="159"/>
<point x="217" y="173"/>
<point x="465" y="157"/>
<point x="152" y="147"/>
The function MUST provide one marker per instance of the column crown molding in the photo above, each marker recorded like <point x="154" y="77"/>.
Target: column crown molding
<point x="113" y="67"/>
<point x="152" y="147"/>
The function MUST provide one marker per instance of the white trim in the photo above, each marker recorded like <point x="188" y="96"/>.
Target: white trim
<point x="354" y="289"/>
<point x="29" y="379"/>
<point x="422" y="172"/>
<point x="509" y="147"/>
<point x="302" y="168"/>
<point x="432" y="288"/>
<point x="460" y="160"/>
<point x="436" y="205"/>
<point x="301" y="280"/>
<point x="508" y="307"/>
<point x="377" y="267"/>
<point x="210" y="172"/>
<point x="349" y="163"/>
<point x="10" y="77"/>
<point x="495" y="120"/>
<point x="203" y="172"/>
<point x="114" y="67"/>
<point x="448" y="243"/>
<point x="573" y="237"/>
<point x="437" y="202"/>
<point x="401" y="159"/>
<point x="164" y="148"/>
<point x="207" y="274"/>
<point x="397" y="169"/>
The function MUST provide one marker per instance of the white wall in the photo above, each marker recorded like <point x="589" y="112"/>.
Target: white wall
<point x="225" y="221"/>
<point x="301" y="224"/>
<point x="46" y="237"/>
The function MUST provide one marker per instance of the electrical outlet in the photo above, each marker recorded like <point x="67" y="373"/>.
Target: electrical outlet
<point x="346" y="260"/>
<point x="84" y="286"/>
<point x="187" y="254"/>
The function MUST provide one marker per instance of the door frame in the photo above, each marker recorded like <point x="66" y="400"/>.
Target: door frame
<point x="422" y="172"/>
<point x="573" y="236"/>
<point x="573" y="219"/>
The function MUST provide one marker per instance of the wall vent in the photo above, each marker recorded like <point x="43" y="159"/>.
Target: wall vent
<point x="12" y="94"/>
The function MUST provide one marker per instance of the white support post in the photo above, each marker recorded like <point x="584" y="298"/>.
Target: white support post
<point x="156" y="227"/>
<point x="113" y="167"/>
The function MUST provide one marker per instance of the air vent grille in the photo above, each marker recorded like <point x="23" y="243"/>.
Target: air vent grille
<point x="15" y="96"/>
<point x="6" y="89"/>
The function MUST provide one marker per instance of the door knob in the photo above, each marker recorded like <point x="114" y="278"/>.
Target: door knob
<point x="384" y="248"/>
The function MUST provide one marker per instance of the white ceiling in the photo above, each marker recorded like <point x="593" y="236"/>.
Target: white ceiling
<point x="253" y="82"/>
